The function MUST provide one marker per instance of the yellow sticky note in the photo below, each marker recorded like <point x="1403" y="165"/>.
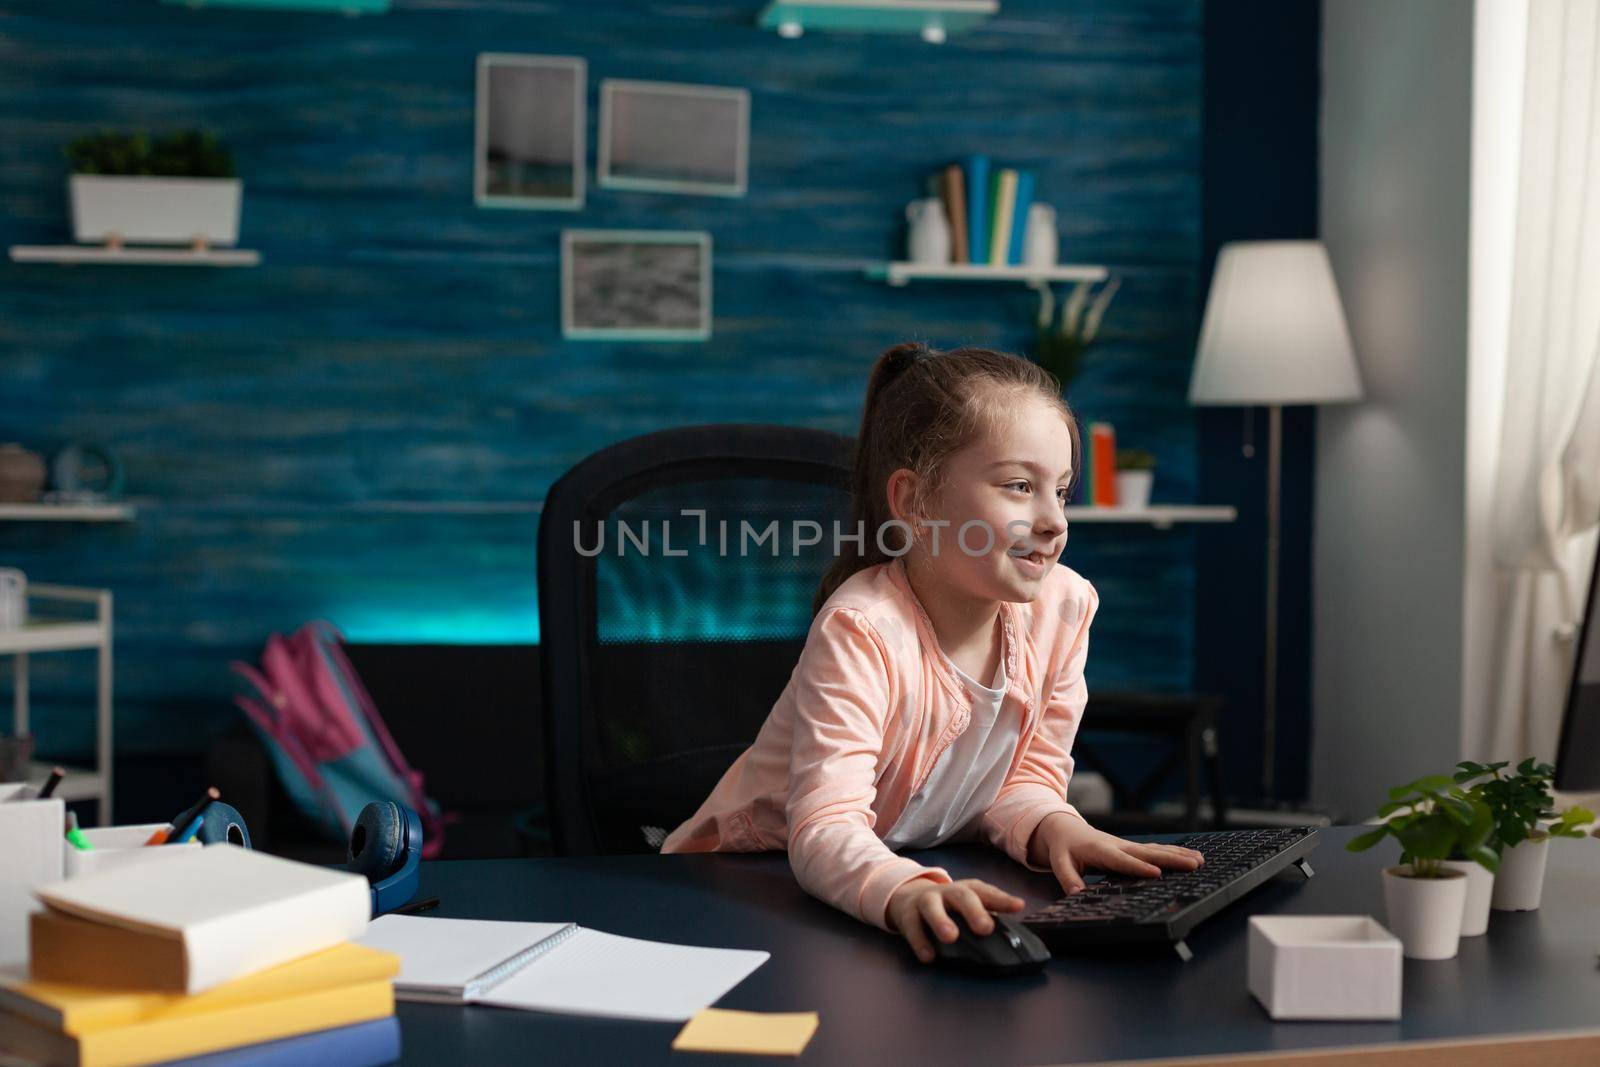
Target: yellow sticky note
<point x="757" y="1032"/>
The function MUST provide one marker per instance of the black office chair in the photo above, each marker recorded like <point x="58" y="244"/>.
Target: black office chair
<point x="659" y="669"/>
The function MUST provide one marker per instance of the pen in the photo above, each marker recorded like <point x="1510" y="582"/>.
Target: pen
<point x="50" y="783"/>
<point x="193" y="827"/>
<point x="183" y="818"/>
<point x="417" y="906"/>
<point x="75" y="835"/>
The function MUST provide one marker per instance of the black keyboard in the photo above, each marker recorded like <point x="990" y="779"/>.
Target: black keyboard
<point x="1131" y="911"/>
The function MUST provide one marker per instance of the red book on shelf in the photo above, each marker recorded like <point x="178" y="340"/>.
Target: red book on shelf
<point x="1103" y="460"/>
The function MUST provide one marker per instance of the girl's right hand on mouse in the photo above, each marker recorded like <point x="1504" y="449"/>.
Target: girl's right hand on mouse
<point x="922" y="905"/>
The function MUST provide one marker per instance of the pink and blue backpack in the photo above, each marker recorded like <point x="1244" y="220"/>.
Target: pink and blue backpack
<point x="327" y="741"/>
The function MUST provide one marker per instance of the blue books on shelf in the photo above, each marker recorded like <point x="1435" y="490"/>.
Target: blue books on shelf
<point x="368" y="1044"/>
<point x="978" y="208"/>
<point x="1019" y="215"/>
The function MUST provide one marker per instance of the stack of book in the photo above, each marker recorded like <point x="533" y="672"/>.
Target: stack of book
<point x="225" y="957"/>
<point x="987" y="207"/>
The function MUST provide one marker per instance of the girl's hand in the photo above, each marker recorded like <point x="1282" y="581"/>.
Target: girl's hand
<point x="921" y="905"/>
<point x="1069" y="846"/>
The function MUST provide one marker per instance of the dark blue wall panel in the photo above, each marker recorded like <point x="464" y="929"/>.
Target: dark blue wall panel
<point x="362" y="427"/>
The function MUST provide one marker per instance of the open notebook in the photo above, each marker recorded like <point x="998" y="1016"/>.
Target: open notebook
<point x="555" y="967"/>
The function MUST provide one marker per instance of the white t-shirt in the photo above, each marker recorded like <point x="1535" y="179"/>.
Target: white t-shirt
<point x="968" y="775"/>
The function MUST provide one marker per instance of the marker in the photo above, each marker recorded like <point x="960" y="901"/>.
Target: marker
<point x="50" y="783"/>
<point x="184" y="818"/>
<point x="75" y="835"/>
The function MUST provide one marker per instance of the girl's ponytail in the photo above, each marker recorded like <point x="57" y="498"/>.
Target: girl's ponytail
<point x="869" y="510"/>
<point x="894" y="362"/>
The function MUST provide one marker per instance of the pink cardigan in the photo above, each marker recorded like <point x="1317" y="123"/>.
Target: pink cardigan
<point x="868" y="710"/>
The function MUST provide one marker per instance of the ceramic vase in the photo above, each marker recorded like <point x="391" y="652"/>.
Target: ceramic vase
<point x="1425" y="913"/>
<point x="1519" y="883"/>
<point x="1480" y="889"/>
<point x="928" y="239"/>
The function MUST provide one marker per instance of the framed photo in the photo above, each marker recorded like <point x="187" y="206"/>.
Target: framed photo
<point x="636" y="285"/>
<point x="670" y="138"/>
<point x="529" y="148"/>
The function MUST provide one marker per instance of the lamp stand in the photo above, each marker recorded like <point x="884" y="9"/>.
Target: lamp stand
<point x="1269" y="712"/>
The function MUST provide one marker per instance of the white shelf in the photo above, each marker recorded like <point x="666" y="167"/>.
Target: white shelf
<point x="66" y="512"/>
<point x="163" y="257"/>
<point x="934" y="19"/>
<point x="899" y="272"/>
<point x="1161" y="516"/>
<point x="79" y="783"/>
<point x="49" y="636"/>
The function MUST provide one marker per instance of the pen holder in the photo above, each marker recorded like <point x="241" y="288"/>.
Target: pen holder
<point x="118" y="846"/>
<point x="30" y="841"/>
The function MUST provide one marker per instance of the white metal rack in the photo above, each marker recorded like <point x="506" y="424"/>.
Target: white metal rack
<point x="66" y="512"/>
<point x="50" y="633"/>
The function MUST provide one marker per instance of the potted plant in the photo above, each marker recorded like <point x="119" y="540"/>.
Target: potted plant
<point x="129" y="188"/>
<point x="1524" y="822"/>
<point x="1058" y="345"/>
<point x="1433" y="819"/>
<point x="1136" y="471"/>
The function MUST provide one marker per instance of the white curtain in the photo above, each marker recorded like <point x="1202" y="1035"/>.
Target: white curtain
<point x="1547" y="484"/>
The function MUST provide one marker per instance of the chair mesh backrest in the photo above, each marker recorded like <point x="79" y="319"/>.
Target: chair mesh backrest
<point x="685" y="628"/>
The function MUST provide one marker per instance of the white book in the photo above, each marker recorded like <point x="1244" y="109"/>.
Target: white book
<point x="555" y="967"/>
<point x="234" y="911"/>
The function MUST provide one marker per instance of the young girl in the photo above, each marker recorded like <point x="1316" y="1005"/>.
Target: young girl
<point x="942" y="679"/>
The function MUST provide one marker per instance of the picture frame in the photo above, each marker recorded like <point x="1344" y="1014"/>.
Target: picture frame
<point x="530" y="140"/>
<point x="636" y="285"/>
<point x="669" y="137"/>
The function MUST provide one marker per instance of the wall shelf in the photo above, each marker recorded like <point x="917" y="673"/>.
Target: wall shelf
<point x="898" y="273"/>
<point x="344" y="7"/>
<point x="933" y="19"/>
<point x="163" y="257"/>
<point x="1161" y="516"/>
<point x="66" y="512"/>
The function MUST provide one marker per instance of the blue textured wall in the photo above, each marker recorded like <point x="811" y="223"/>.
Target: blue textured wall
<point x="362" y="427"/>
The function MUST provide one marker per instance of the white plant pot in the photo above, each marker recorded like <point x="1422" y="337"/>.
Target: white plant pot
<point x="1133" y="488"/>
<point x="1480" y="889"/>
<point x="160" y="211"/>
<point x="1425" y="913"/>
<point x="1519" y="883"/>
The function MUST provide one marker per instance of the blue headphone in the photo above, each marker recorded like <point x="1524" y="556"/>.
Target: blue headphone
<point x="386" y="846"/>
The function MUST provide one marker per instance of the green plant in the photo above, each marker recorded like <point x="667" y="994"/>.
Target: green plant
<point x="185" y="154"/>
<point x="1434" y="819"/>
<point x="1520" y="801"/>
<point x="1059" y="344"/>
<point x="1135" y="459"/>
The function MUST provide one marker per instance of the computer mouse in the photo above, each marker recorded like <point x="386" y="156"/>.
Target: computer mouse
<point x="1011" y="949"/>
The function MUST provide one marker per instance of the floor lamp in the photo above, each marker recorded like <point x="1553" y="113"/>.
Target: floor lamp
<point x="1274" y="334"/>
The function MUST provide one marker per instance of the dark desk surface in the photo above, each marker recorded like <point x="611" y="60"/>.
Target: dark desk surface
<point x="1532" y="973"/>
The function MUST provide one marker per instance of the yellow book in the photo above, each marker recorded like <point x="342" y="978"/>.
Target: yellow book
<point x="77" y="1009"/>
<point x="175" y="1037"/>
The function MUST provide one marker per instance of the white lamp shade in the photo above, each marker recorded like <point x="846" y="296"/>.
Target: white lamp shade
<point x="1274" y="332"/>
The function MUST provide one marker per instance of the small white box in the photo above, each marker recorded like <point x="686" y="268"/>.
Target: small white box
<point x="1324" y="967"/>
<point x="30" y="855"/>
<point x="118" y="846"/>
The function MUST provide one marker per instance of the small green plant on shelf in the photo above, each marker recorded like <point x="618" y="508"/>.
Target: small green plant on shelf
<point x="1135" y="459"/>
<point x="1520" y="801"/>
<point x="1060" y="342"/>
<point x="1434" y="819"/>
<point x="185" y="154"/>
